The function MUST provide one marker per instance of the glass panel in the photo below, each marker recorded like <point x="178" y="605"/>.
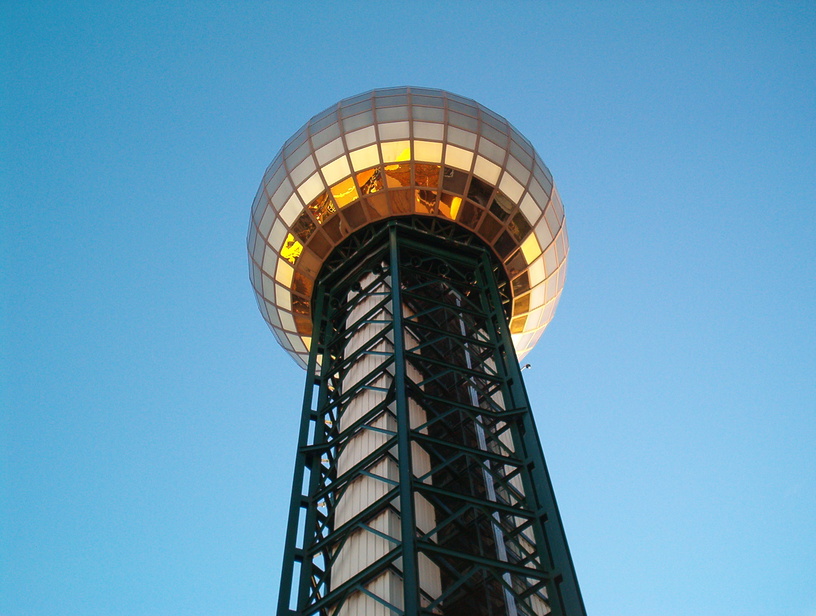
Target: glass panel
<point x="318" y="124"/>
<point x="391" y="114"/>
<point x="449" y="205"/>
<point x="486" y="170"/>
<point x="300" y="305"/>
<point x="517" y="324"/>
<point x="428" y="114"/>
<point x="402" y="201"/>
<point x="291" y="210"/>
<point x="489" y="228"/>
<point x="320" y="244"/>
<point x="428" y="101"/>
<point x="519" y="227"/>
<point x="462" y="137"/>
<point x="332" y="229"/>
<point x="301" y="284"/>
<point x="383" y="99"/>
<point x="521" y="285"/>
<point x="303" y="227"/>
<point x="425" y="201"/>
<point x="367" y="157"/>
<point x="495" y="136"/>
<point x="324" y="136"/>
<point x="336" y="170"/>
<point x="298" y="155"/>
<point x="344" y="192"/>
<point x="531" y="211"/>
<point x="457" y="157"/>
<point x="377" y="206"/>
<point x="530" y="248"/>
<point x="396" y="151"/>
<point x="541" y="197"/>
<point x="454" y="180"/>
<point x="470" y="214"/>
<point x="519" y="171"/>
<point x="426" y="175"/>
<point x="429" y="151"/>
<point x="354" y="215"/>
<point x="501" y="206"/>
<point x="516" y="264"/>
<point x="511" y="188"/>
<point x="552" y="221"/>
<point x="462" y="121"/>
<point x="427" y="130"/>
<point x="461" y="107"/>
<point x="329" y="152"/>
<point x="370" y="181"/>
<point x="397" y="176"/>
<point x="505" y="245"/>
<point x="309" y="264"/>
<point x="322" y="207"/>
<point x="302" y="171"/>
<point x="394" y="130"/>
<point x="480" y="192"/>
<point x="291" y="248"/>
<point x="350" y="110"/>
<point x="294" y="142"/>
<point x="358" y="121"/>
<point x="303" y="324"/>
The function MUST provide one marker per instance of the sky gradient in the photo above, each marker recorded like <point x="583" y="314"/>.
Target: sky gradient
<point x="148" y="418"/>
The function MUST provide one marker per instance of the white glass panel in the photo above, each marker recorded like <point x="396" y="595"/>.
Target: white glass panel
<point x="530" y="209"/>
<point x="284" y="273"/>
<point x="457" y="157"/>
<point x="278" y="234"/>
<point x="394" y="130"/>
<point x="311" y="188"/>
<point x="462" y="137"/>
<point x="270" y="262"/>
<point x="266" y="222"/>
<point x="302" y="171"/>
<point x="286" y="319"/>
<point x="537" y="272"/>
<point x="490" y="150"/>
<point x="511" y="188"/>
<point x="296" y="342"/>
<point x="283" y="298"/>
<point x="486" y="170"/>
<point x="291" y="210"/>
<point x="396" y="151"/>
<point x="428" y="151"/>
<point x="359" y="138"/>
<point x="427" y="130"/>
<point x="282" y="194"/>
<point x="365" y="158"/>
<point x="336" y="171"/>
<point x="330" y="151"/>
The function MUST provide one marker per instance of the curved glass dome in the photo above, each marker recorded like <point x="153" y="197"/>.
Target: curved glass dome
<point x="400" y="152"/>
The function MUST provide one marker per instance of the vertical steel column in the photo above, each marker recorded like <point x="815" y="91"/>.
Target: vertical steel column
<point x="410" y="563"/>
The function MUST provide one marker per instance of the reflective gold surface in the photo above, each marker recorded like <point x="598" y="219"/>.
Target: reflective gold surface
<point x="396" y="152"/>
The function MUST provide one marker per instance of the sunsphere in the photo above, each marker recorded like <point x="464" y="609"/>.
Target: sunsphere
<point x="398" y="152"/>
<point x="407" y="246"/>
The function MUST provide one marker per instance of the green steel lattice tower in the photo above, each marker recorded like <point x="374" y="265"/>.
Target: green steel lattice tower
<point x="408" y="247"/>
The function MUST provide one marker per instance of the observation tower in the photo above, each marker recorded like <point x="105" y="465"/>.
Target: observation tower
<point x="407" y="248"/>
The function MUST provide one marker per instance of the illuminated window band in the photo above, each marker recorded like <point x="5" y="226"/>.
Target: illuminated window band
<point x="398" y="152"/>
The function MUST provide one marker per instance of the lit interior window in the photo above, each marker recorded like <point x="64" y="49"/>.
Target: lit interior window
<point x="344" y="192"/>
<point x="291" y="248"/>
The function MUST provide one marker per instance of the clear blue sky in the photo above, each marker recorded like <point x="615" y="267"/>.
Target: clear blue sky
<point x="148" y="418"/>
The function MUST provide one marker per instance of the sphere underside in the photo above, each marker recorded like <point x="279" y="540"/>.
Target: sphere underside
<point x="405" y="152"/>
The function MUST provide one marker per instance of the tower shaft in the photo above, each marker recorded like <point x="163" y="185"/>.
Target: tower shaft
<point x="420" y="486"/>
